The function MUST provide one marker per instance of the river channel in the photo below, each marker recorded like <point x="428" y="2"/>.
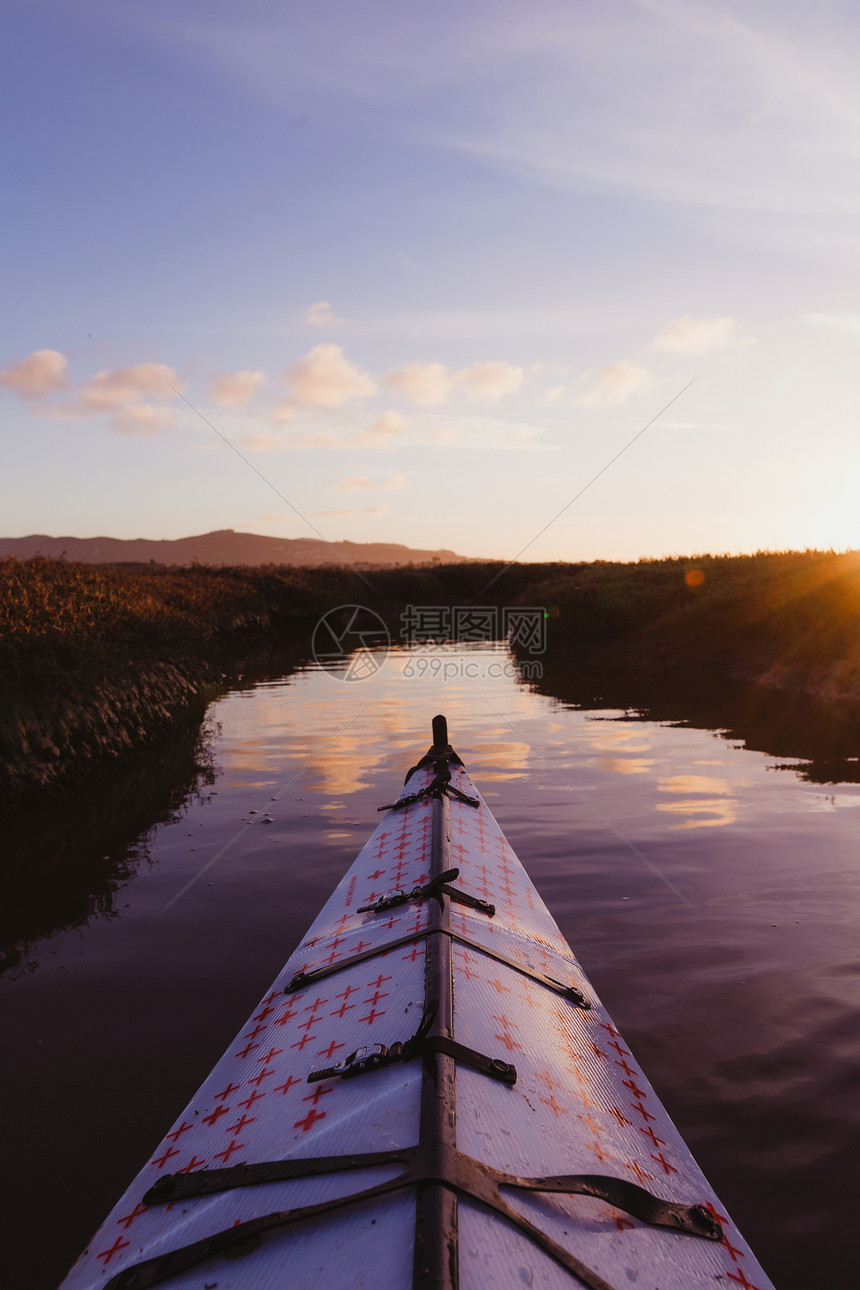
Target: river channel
<point x="705" y="872"/>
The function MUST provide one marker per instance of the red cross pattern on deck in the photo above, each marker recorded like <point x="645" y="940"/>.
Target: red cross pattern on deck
<point x="506" y="1038"/>
<point x="107" y="1255"/>
<point x="287" y="1015"/>
<point x="547" y="1079"/>
<point x="161" y="1161"/>
<point x="193" y="1164"/>
<point x="213" y="1116"/>
<point x="344" y="1007"/>
<point x="328" y="1052"/>
<point x="462" y="854"/>
<point x="247" y="1049"/>
<point x="380" y="846"/>
<point x="740" y="1278"/>
<point x="527" y="996"/>
<point x="128" y="1219"/>
<point x="602" y="1156"/>
<point x="378" y="983"/>
<point x="253" y="1097"/>
<point x="309" y="1120"/>
<point x="483" y="886"/>
<point x="660" y="1160"/>
<point x="228" y="1151"/>
<point x="589" y="1120"/>
<point x="403" y="844"/>
<point x="306" y="1038"/>
<point x="244" y="1119"/>
<point x="312" y="1007"/>
<point x="464" y="958"/>
<point x="554" y="1106"/>
<point x="634" y="1088"/>
<point x="649" y="1133"/>
<point x="176" y="1133"/>
<point x="285" y="1088"/>
<point x="313" y="1114"/>
<point x="641" y="1176"/>
<point x="260" y="1076"/>
<point x="622" y="1119"/>
<point x="620" y="1221"/>
<point x="231" y="1088"/>
<point x="733" y="1250"/>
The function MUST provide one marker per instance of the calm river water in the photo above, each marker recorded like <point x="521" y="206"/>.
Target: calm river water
<point x="143" y="922"/>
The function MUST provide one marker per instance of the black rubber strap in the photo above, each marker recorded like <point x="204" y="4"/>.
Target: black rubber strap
<point x="570" y="992"/>
<point x="457" y="1171"/>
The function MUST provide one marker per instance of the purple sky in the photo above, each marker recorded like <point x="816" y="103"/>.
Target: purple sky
<point x="429" y="267"/>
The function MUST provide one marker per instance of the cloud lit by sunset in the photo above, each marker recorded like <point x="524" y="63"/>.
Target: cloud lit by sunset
<point x="511" y="248"/>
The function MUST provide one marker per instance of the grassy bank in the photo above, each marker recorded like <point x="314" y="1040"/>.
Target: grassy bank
<point x="788" y="619"/>
<point x="97" y="661"/>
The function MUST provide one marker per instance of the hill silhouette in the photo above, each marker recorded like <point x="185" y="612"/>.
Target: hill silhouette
<point x="222" y="547"/>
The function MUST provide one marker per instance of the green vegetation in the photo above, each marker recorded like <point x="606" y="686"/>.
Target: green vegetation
<point x="96" y="660"/>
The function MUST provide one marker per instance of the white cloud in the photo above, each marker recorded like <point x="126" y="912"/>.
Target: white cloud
<point x="140" y="418"/>
<point x="489" y="382"/>
<point x="688" y="335"/>
<point x="284" y="411"/>
<point x="109" y="390"/>
<point x="355" y="482"/>
<point x="132" y="398"/>
<point x="322" y="315"/>
<point x="614" y="384"/>
<point x="386" y="428"/>
<point x="236" y="389"/>
<point x="486" y="434"/>
<point x="266" y="442"/>
<point x="40" y="373"/>
<point x="325" y="378"/>
<point x="424" y="383"/>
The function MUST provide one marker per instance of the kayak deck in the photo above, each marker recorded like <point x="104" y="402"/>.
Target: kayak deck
<point x="413" y="1020"/>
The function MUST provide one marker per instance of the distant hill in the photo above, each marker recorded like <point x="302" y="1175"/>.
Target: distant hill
<point x="223" y="547"/>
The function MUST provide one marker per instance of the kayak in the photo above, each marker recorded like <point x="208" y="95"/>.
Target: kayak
<point x="430" y="1094"/>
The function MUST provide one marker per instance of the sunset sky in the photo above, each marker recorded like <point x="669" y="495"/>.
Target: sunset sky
<point x="429" y="267"/>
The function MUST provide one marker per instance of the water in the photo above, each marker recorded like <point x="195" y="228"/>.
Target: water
<point x="710" y="889"/>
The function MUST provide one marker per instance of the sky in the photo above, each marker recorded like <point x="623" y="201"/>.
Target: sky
<point x="418" y="272"/>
